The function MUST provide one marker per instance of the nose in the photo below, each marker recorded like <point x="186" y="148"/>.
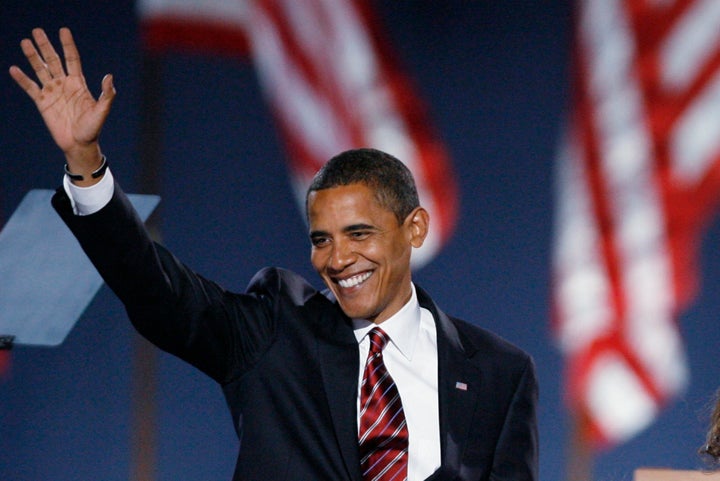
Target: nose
<point x="342" y="256"/>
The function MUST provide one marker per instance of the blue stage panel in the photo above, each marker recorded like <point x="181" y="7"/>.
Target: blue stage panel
<point x="46" y="281"/>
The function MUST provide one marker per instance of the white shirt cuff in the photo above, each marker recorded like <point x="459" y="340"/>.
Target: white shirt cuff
<point x="88" y="200"/>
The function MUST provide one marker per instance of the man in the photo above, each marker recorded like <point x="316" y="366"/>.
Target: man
<point x="368" y="380"/>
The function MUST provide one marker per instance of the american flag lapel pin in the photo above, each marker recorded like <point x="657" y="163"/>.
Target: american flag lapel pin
<point x="461" y="386"/>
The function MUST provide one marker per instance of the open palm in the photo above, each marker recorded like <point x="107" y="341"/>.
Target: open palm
<point x="72" y="115"/>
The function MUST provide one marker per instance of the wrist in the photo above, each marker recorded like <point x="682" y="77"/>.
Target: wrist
<point x="96" y="174"/>
<point x="85" y="166"/>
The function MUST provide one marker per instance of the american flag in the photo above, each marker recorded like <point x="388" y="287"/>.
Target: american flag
<point x="638" y="176"/>
<point x="331" y="81"/>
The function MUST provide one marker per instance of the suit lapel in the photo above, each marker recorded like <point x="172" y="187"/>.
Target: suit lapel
<point x="339" y="361"/>
<point x="458" y="387"/>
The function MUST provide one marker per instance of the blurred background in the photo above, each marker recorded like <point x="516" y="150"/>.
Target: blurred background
<point x="495" y="82"/>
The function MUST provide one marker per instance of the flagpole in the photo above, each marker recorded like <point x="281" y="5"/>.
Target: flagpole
<point x="579" y="450"/>
<point x="143" y="463"/>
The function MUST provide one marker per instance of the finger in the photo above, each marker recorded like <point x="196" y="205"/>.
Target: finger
<point x="25" y="83"/>
<point x="101" y="109"/>
<point x="36" y="62"/>
<point x="70" y="52"/>
<point x="52" y="59"/>
<point x="106" y="96"/>
<point x="108" y="92"/>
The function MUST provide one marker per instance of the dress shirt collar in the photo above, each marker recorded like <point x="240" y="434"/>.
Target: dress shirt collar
<point x="402" y="327"/>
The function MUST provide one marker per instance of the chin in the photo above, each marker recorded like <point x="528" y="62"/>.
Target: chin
<point x="356" y="312"/>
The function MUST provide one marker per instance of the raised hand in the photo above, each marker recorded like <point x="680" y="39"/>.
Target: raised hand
<point x="71" y="114"/>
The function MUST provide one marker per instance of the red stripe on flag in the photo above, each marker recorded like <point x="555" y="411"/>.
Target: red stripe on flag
<point x="689" y="206"/>
<point x="184" y="34"/>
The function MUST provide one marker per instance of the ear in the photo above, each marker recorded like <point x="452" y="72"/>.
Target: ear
<point x="417" y="224"/>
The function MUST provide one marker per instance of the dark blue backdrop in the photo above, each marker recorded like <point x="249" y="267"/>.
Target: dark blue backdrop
<point x="495" y="76"/>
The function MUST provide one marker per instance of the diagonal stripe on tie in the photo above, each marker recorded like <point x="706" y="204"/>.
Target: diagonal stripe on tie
<point x="383" y="434"/>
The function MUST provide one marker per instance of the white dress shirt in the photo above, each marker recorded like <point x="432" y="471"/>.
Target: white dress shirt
<point x="411" y="359"/>
<point x="88" y="200"/>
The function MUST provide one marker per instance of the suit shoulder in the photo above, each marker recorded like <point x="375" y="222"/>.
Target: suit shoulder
<point x="478" y="339"/>
<point x="275" y="281"/>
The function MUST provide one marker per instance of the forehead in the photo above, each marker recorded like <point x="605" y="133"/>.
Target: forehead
<point x="345" y="203"/>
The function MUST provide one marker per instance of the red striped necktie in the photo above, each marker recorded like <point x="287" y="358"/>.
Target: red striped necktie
<point x="383" y="435"/>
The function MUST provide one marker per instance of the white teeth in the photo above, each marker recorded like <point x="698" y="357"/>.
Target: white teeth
<point x="354" y="280"/>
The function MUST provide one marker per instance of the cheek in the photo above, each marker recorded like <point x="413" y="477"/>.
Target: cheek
<point x="395" y="252"/>
<point x="400" y="265"/>
<point x="394" y="258"/>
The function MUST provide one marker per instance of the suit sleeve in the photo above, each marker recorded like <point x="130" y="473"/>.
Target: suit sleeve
<point x="516" y="456"/>
<point x="219" y="332"/>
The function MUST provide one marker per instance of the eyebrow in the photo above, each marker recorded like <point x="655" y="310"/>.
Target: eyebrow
<point x="350" y="228"/>
<point x="356" y="227"/>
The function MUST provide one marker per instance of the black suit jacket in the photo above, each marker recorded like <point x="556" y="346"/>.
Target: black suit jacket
<point x="287" y="360"/>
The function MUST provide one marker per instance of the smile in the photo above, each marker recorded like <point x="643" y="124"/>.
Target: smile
<point x="354" y="280"/>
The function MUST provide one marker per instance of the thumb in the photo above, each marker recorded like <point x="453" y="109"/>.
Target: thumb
<point x="102" y="108"/>
<point x="108" y="93"/>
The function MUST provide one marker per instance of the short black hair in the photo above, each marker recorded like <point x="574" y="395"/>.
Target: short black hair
<point x="391" y="180"/>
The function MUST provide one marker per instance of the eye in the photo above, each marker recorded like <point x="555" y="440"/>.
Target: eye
<point x="319" y="241"/>
<point x="359" y="235"/>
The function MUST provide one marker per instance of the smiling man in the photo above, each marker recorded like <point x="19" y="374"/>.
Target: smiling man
<point x="368" y="380"/>
<point x="365" y="219"/>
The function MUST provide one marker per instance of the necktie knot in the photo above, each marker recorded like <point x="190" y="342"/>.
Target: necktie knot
<point x="378" y="340"/>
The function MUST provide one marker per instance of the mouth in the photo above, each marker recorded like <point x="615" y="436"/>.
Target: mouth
<point x="355" y="280"/>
